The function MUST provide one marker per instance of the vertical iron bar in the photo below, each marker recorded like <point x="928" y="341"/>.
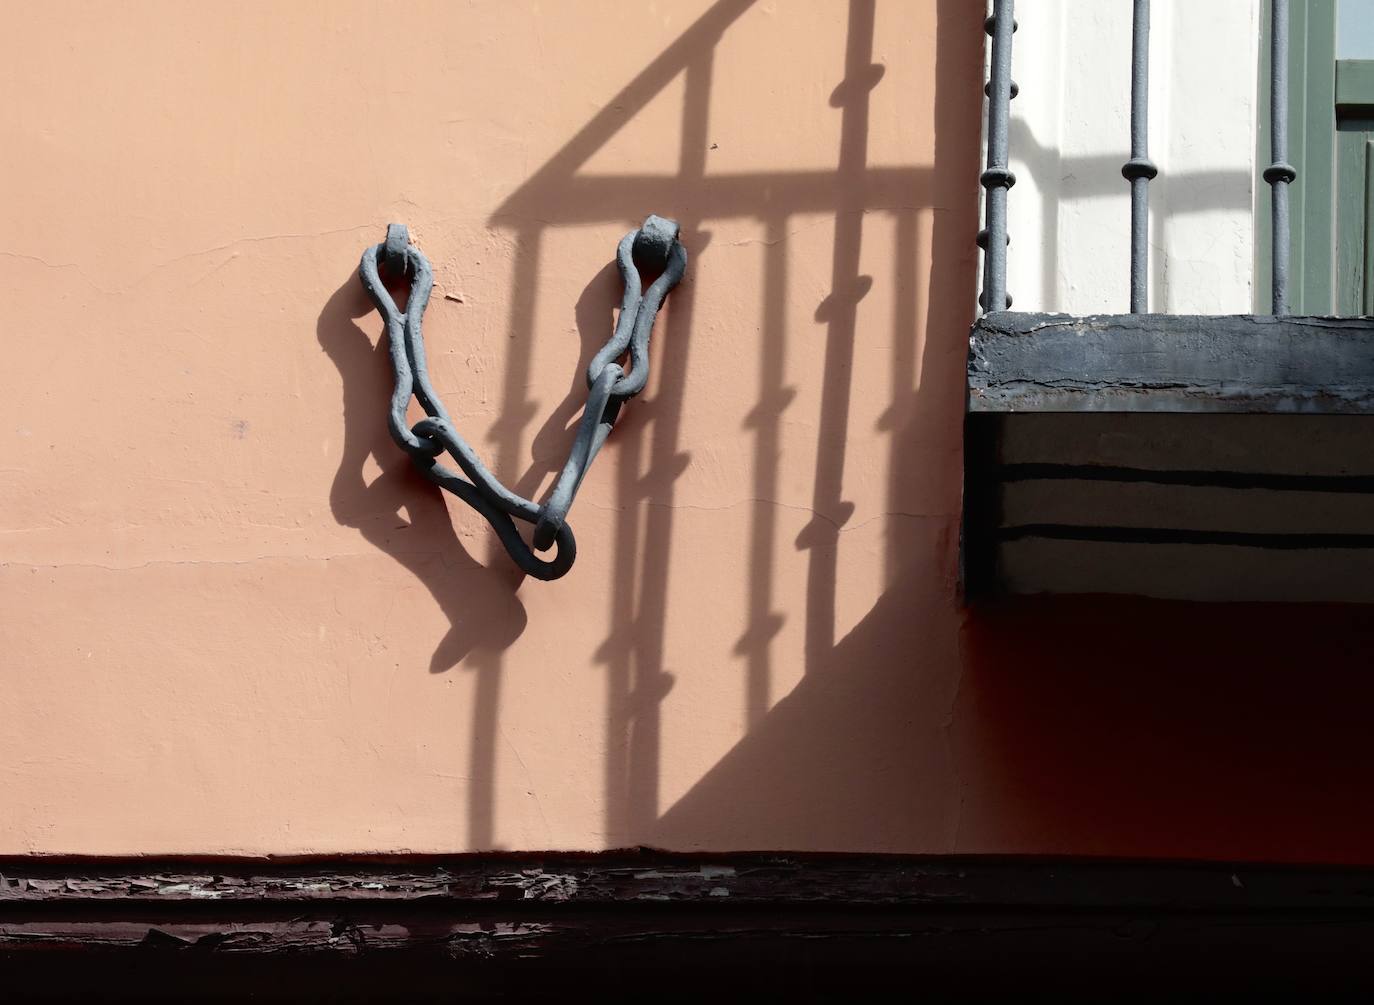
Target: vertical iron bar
<point x="1367" y="293"/>
<point x="997" y="178"/>
<point x="1279" y="173"/>
<point x="1140" y="169"/>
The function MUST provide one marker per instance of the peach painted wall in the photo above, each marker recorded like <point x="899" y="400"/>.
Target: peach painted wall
<point x="235" y="621"/>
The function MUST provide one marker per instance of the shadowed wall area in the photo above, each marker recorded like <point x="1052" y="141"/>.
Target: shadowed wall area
<point x="238" y="622"/>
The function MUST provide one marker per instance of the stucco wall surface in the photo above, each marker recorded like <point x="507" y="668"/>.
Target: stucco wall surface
<point x="236" y="621"/>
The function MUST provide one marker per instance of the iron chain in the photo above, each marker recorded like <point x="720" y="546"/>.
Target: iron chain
<point x="654" y="247"/>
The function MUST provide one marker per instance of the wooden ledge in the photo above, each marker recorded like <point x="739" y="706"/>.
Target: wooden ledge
<point x="722" y="926"/>
<point x="1022" y="362"/>
<point x="649" y="880"/>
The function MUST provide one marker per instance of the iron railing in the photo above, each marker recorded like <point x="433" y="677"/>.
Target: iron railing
<point x="997" y="178"/>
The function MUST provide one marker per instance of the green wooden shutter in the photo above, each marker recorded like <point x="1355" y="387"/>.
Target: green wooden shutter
<point x="1312" y="150"/>
<point x="1354" y="189"/>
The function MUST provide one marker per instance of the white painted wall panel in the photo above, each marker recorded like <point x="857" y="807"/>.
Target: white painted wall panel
<point x="1069" y="212"/>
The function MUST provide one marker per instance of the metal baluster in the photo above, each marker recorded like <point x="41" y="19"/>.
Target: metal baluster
<point x="1279" y="173"/>
<point x="1140" y="169"/>
<point x="997" y="178"/>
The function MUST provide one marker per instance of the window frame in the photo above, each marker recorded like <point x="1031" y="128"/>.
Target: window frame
<point x="1312" y="151"/>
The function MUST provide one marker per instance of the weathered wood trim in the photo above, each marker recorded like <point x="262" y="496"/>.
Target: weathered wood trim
<point x="1021" y="362"/>
<point x="718" y="924"/>
<point x="649" y="877"/>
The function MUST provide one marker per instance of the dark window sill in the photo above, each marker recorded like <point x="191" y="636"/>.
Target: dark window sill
<point x="1171" y="363"/>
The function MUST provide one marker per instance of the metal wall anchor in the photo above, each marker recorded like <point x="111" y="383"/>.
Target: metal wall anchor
<point x="655" y="247"/>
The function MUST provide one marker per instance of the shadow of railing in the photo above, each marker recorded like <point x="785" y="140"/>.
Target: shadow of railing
<point x="650" y="455"/>
<point x="1176" y="195"/>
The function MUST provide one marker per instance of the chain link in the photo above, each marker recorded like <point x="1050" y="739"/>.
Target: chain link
<point x="653" y="247"/>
